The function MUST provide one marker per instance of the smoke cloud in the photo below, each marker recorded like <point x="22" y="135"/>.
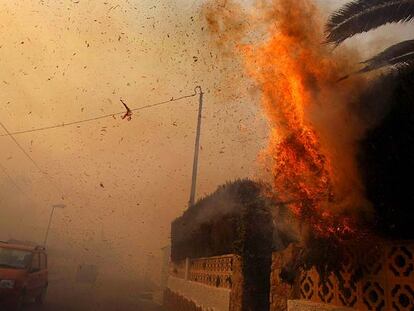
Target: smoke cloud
<point x="122" y="182"/>
<point x="315" y="120"/>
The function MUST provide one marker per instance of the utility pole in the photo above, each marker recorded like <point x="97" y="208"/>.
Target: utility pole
<point x="196" y="147"/>
<point x="50" y="221"/>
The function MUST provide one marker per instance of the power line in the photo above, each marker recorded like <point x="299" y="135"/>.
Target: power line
<point x="20" y="147"/>
<point x="11" y="134"/>
<point x="44" y="174"/>
<point x="31" y="159"/>
<point x="14" y="183"/>
<point x="96" y="118"/>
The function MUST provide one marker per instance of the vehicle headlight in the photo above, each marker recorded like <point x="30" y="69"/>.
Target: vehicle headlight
<point x="7" y="283"/>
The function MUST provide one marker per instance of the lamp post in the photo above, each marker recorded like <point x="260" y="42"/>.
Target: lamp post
<point x="50" y="221"/>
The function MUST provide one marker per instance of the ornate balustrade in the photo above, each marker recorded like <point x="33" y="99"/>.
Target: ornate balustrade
<point x="212" y="283"/>
<point x="213" y="271"/>
<point x="387" y="282"/>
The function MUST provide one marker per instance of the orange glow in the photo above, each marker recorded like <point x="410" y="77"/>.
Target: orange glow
<point x="297" y="73"/>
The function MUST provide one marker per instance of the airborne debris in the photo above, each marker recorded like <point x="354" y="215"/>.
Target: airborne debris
<point x="128" y="113"/>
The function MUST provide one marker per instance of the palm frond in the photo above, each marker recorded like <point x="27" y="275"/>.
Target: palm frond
<point x="364" y="15"/>
<point x="399" y="55"/>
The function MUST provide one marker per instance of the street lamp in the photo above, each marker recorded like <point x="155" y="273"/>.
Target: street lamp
<point x="50" y="220"/>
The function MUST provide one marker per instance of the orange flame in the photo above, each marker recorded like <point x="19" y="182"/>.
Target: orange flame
<point x="298" y="75"/>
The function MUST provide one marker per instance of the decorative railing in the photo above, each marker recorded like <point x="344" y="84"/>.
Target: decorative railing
<point x="387" y="282"/>
<point x="213" y="271"/>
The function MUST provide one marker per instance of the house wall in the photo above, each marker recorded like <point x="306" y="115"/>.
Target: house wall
<point x="204" y="284"/>
<point x="306" y="305"/>
<point x="202" y="296"/>
<point x="280" y="292"/>
<point x="387" y="281"/>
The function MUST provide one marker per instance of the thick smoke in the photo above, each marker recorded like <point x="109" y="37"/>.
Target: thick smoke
<point x="123" y="182"/>
<point x="315" y="127"/>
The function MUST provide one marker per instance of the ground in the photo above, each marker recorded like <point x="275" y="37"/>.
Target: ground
<point x="105" y="295"/>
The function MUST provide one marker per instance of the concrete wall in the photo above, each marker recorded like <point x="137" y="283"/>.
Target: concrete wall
<point x="280" y="292"/>
<point x="204" y="296"/>
<point x="212" y="283"/>
<point x="174" y="301"/>
<point x="376" y="278"/>
<point x="305" y="305"/>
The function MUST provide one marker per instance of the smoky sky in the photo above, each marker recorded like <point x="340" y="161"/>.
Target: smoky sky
<point x="122" y="182"/>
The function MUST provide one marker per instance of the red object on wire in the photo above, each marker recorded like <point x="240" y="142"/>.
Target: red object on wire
<point x="128" y="113"/>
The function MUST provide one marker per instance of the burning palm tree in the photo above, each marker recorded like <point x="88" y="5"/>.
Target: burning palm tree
<point x="361" y="16"/>
<point x="386" y="177"/>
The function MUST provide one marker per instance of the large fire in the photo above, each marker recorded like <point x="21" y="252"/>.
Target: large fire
<point x="313" y="133"/>
<point x="298" y="74"/>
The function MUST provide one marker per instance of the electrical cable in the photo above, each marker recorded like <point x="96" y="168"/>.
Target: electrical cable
<point x="21" y="148"/>
<point x="11" y="134"/>
<point x="14" y="183"/>
<point x="44" y="174"/>
<point x="97" y="117"/>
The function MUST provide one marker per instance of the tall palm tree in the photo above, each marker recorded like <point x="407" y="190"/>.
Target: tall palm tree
<point x="364" y="15"/>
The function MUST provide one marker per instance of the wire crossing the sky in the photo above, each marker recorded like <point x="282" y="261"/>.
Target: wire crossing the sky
<point x="13" y="182"/>
<point x="44" y="174"/>
<point x="21" y="148"/>
<point x="98" y="117"/>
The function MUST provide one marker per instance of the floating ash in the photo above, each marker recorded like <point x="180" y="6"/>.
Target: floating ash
<point x="314" y="130"/>
<point x="317" y="122"/>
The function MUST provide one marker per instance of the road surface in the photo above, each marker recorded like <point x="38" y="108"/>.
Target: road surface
<point x="105" y="295"/>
